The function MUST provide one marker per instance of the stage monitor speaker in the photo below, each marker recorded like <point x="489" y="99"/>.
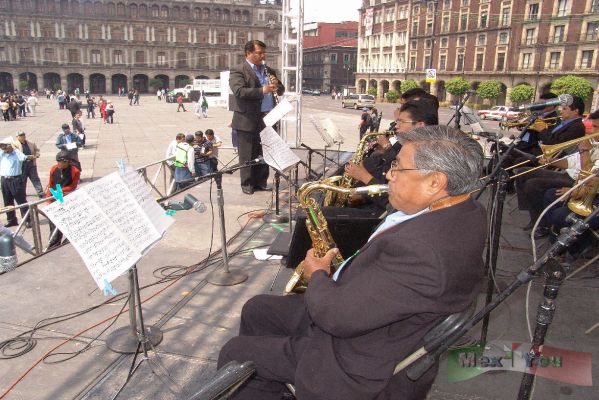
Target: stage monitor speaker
<point x="350" y="228"/>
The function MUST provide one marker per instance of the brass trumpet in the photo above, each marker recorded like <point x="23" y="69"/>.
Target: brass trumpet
<point x="550" y="150"/>
<point x="540" y="124"/>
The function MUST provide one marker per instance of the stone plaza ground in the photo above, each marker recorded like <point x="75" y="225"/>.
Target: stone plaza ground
<point x="196" y="317"/>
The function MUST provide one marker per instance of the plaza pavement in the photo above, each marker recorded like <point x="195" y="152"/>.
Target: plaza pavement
<point x="196" y="317"/>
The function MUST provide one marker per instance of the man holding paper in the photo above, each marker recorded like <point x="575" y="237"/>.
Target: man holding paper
<point x="70" y="142"/>
<point x="253" y="85"/>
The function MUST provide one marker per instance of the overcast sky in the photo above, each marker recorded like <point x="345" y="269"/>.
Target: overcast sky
<point x="331" y="10"/>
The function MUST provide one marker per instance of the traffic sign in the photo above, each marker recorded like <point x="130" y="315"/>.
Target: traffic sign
<point x="431" y="75"/>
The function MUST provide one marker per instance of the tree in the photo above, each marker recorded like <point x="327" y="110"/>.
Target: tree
<point x="184" y="81"/>
<point x="156" y="83"/>
<point x="457" y="86"/>
<point x="23" y="84"/>
<point x="574" y="85"/>
<point x="489" y="90"/>
<point x="392" y="96"/>
<point x="57" y="86"/>
<point x="408" y="84"/>
<point x="372" y="91"/>
<point x="521" y="93"/>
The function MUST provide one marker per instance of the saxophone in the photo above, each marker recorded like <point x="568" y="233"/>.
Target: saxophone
<point x="339" y="199"/>
<point x="317" y="226"/>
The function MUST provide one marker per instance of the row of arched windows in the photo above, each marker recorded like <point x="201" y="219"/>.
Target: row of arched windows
<point x="131" y="10"/>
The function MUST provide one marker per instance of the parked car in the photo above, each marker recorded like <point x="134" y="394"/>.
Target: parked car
<point x="358" y="101"/>
<point x="311" y="92"/>
<point x="497" y="113"/>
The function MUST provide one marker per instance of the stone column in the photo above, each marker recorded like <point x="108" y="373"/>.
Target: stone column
<point x="434" y="90"/>
<point x="508" y="102"/>
<point x="108" y="84"/>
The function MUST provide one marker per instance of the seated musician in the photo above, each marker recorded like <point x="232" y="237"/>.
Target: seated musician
<point x="410" y="115"/>
<point x="556" y="217"/>
<point x="529" y="141"/>
<point x="344" y="336"/>
<point x="531" y="186"/>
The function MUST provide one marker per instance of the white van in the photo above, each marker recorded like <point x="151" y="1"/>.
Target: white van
<point x="358" y="101"/>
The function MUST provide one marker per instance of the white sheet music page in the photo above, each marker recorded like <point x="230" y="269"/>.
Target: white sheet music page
<point x="276" y="152"/>
<point x="278" y="112"/>
<point x="106" y="252"/>
<point x="143" y="194"/>
<point x="114" y="198"/>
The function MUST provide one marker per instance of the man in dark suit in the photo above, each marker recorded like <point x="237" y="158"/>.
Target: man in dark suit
<point x="253" y="85"/>
<point x="343" y="337"/>
<point x="530" y="187"/>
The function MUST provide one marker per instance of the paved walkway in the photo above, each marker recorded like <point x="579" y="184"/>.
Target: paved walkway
<point x="197" y="317"/>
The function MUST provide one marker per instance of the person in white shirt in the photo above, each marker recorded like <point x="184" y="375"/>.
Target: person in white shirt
<point x="32" y="102"/>
<point x="172" y="149"/>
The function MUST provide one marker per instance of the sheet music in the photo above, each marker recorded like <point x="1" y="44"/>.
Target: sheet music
<point x="143" y="194"/>
<point x="278" y="112"/>
<point x="121" y="207"/>
<point x="103" y="248"/>
<point x="332" y="129"/>
<point x="276" y="152"/>
<point x="110" y="222"/>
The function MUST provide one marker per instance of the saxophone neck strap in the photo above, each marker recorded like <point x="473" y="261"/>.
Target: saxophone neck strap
<point x="448" y="201"/>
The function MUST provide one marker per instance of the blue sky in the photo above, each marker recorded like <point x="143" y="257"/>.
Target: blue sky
<point x="331" y="10"/>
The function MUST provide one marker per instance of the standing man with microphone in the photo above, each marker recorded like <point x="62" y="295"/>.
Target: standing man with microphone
<point x="253" y="97"/>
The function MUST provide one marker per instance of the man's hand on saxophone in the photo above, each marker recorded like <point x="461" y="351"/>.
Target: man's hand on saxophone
<point x="313" y="263"/>
<point x="358" y="172"/>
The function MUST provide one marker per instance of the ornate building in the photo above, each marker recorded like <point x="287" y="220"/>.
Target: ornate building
<point x="512" y="41"/>
<point x="329" y="60"/>
<point x="103" y="45"/>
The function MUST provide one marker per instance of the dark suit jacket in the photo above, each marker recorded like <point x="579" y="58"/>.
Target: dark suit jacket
<point x="247" y="98"/>
<point x="571" y="131"/>
<point x="399" y="286"/>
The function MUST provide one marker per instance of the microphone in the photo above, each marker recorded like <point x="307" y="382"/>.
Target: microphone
<point x="489" y="135"/>
<point x="561" y="100"/>
<point x="8" y="255"/>
<point x="189" y="202"/>
<point x="258" y="160"/>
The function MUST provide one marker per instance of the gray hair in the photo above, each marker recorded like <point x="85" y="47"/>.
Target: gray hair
<point x="447" y="150"/>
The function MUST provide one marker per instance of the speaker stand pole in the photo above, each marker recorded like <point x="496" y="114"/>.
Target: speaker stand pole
<point x="224" y="276"/>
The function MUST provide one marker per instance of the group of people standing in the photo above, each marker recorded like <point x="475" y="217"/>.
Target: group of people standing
<point x="18" y="105"/>
<point x="193" y="155"/>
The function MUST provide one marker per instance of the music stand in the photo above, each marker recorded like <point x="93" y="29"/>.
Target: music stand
<point x="144" y="342"/>
<point x="125" y="340"/>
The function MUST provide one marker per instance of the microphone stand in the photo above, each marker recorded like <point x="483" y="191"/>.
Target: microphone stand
<point x="555" y="275"/>
<point x="324" y="157"/>
<point x="276" y="217"/>
<point x="457" y="114"/>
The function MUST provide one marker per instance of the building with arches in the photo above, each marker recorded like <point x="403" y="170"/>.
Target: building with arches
<point x="511" y="41"/>
<point x="103" y="45"/>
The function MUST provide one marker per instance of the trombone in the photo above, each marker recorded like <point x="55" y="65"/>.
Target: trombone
<point x="550" y="151"/>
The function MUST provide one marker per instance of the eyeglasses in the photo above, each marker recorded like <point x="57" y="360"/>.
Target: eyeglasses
<point x="394" y="169"/>
<point x="405" y="121"/>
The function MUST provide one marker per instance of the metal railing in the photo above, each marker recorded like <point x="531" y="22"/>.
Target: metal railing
<point x="158" y="175"/>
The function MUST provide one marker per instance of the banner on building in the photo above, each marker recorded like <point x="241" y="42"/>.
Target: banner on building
<point x="368" y="19"/>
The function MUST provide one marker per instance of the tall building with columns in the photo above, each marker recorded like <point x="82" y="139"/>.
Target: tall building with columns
<point x="511" y="41"/>
<point x="103" y="45"/>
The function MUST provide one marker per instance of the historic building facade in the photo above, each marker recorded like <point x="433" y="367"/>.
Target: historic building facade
<point x="329" y="55"/>
<point x="512" y="41"/>
<point x="104" y="45"/>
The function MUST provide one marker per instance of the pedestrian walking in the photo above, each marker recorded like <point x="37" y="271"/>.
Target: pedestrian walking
<point x="29" y="167"/>
<point x="180" y="103"/>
